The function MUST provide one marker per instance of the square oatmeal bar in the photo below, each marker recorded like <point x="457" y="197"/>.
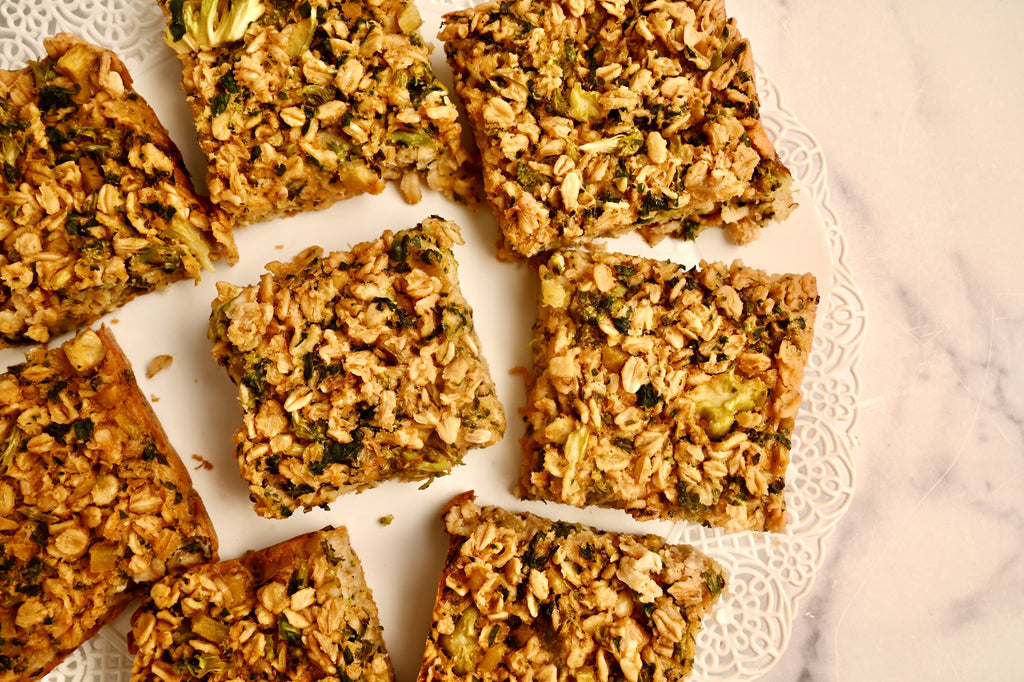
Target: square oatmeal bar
<point x="665" y="391"/>
<point x="354" y="368"/>
<point x="96" y="206"/>
<point x="593" y="116"/>
<point x="299" y="611"/>
<point x="94" y="501"/>
<point x="301" y="103"/>
<point x="524" y="597"/>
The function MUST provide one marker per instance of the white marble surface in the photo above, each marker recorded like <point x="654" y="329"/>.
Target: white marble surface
<point x="917" y="104"/>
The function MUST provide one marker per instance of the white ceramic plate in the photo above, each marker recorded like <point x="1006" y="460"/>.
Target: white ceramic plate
<point x="196" y="402"/>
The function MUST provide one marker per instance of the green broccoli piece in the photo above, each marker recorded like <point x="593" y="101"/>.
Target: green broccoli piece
<point x="623" y="144"/>
<point x="209" y="23"/>
<point x="9" y="446"/>
<point x="191" y="240"/>
<point x="414" y="138"/>
<point x="302" y="33"/>
<point x="12" y="143"/>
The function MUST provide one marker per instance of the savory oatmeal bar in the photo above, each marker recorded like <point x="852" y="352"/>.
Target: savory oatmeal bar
<point x="94" y="501"/>
<point x="596" y="117"/>
<point x="524" y="597"/>
<point x="665" y="391"/>
<point x="353" y="368"/>
<point x="299" y="611"/>
<point x="299" y="104"/>
<point x="96" y="206"/>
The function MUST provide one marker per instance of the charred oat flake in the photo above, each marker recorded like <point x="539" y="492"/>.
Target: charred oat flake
<point x="96" y="206"/>
<point x="94" y="501"/>
<point x="299" y="611"/>
<point x="595" y="115"/>
<point x="522" y="597"/>
<point x="664" y="391"/>
<point x="354" y="368"/>
<point x="300" y="104"/>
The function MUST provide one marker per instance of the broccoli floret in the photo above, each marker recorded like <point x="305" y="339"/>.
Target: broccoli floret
<point x="584" y="105"/>
<point x="205" y="24"/>
<point x="302" y="32"/>
<point x="623" y="144"/>
<point x="317" y="95"/>
<point x="10" y="150"/>
<point x="9" y="446"/>
<point x="12" y="143"/>
<point x="191" y="240"/>
<point x="414" y="138"/>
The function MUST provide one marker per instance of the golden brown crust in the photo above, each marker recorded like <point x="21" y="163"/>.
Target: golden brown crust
<point x="299" y="611"/>
<point x="316" y="102"/>
<point x="96" y="206"/>
<point x="597" y="117"/>
<point x="666" y="391"/>
<point x="354" y="368"/>
<point x="94" y="501"/>
<point x="523" y="597"/>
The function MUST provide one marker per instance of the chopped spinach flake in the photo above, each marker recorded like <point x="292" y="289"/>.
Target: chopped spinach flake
<point x="714" y="580"/>
<point x="57" y="431"/>
<point x="53" y="97"/>
<point x="150" y="453"/>
<point x="176" y="26"/>
<point x="83" y="429"/>
<point x="219" y="103"/>
<point x="646" y="396"/>
<point x="339" y="453"/>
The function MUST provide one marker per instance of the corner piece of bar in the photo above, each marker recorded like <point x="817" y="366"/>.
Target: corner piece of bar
<point x="94" y="501"/>
<point x="96" y="205"/>
<point x="299" y="611"/>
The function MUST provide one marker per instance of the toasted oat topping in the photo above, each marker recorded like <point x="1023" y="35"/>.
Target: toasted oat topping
<point x="353" y="368"/>
<point x="298" y="611"/>
<point x="93" y="501"/>
<point x="313" y="102"/>
<point x="523" y="597"/>
<point x="96" y="206"/>
<point x="664" y="391"/>
<point x="594" y="116"/>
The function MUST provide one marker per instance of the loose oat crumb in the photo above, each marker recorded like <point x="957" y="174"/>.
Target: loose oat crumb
<point x="203" y="463"/>
<point x="386" y="520"/>
<point x="158" y="364"/>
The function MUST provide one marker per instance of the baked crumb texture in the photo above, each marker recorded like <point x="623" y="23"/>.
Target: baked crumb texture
<point x="594" y="118"/>
<point x="299" y="611"/>
<point x="525" y="598"/>
<point x="94" y="501"/>
<point x="665" y="391"/>
<point x="318" y="101"/>
<point x="96" y="206"/>
<point x="353" y="368"/>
